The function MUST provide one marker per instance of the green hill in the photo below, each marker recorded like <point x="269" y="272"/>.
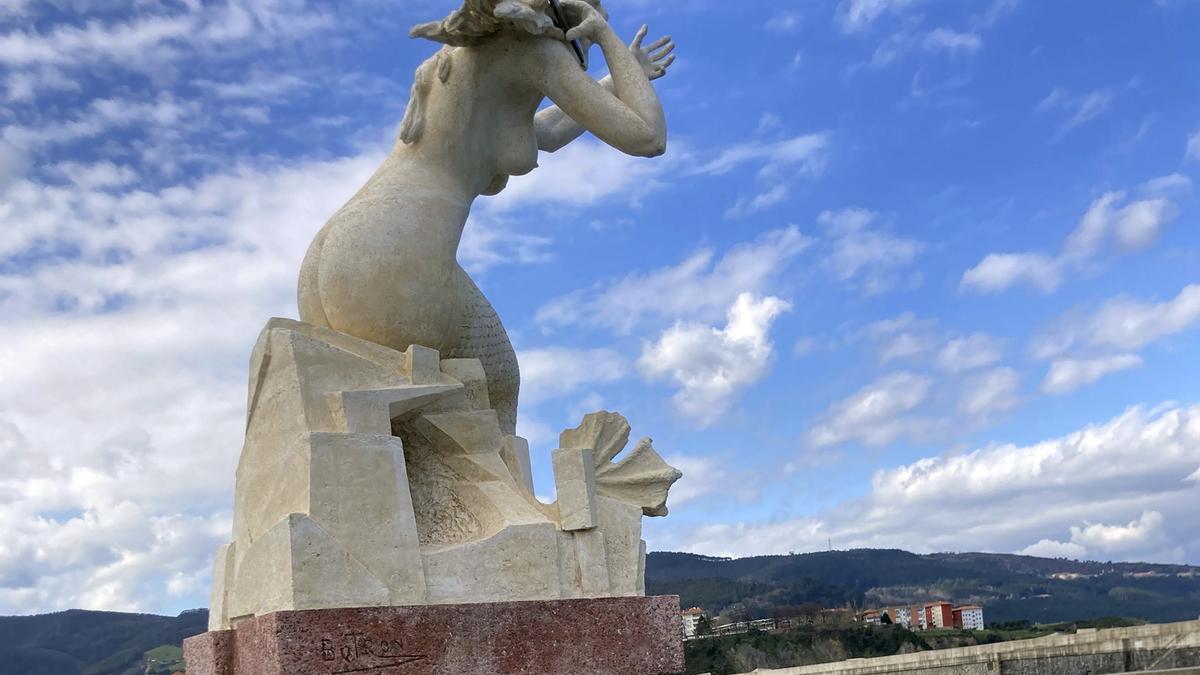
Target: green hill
<point x="1010" y="587"/>
<point x="93" y="643"/>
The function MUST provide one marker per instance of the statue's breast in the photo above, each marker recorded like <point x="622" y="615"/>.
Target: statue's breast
<point x="516" y="148"/>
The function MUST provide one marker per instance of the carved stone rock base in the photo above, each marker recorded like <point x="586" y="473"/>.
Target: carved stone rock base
<point x="602" y="636"/>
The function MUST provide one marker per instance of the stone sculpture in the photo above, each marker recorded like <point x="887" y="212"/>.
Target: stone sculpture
<point x="381" y="465"/>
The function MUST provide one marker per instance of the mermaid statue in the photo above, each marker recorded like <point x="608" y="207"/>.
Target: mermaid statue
<point x="384" y="268"/>
<point x="381" y="465"/>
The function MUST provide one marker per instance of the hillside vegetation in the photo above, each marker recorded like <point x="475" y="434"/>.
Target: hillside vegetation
<point x="93" y="643"/>
<point x="1010" y="587"/>
<point x="808" y="645"/>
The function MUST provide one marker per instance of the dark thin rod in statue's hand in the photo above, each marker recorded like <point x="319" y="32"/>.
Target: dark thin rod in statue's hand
<point x="561" y="21"/>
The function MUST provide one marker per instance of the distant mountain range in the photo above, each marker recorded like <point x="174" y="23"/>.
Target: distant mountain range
<point x="1009" y="587"/>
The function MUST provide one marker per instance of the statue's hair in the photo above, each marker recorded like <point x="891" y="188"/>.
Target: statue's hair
<point x="472" y="24"/>
<point x="414" y="115"/>
<point x="477" y="20"/>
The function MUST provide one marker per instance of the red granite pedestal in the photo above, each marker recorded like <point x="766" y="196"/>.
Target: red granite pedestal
<point x="605" y="636"/>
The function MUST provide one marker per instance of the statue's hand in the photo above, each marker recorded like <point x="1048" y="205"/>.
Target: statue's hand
<point x="656" y="58"/>
<point x="587" y="23"/>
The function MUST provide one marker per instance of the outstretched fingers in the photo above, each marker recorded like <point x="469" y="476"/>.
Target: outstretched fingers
<point x="662" y="53"/>
<point x="641" y="35"/>
<point x="659" y="43"/>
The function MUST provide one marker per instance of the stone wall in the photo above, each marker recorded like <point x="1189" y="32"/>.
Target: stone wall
<point x="1087" y="652"/>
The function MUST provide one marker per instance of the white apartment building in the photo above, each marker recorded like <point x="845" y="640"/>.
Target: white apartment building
<point x="691" y="621"/>
<point x="972" y="617"/>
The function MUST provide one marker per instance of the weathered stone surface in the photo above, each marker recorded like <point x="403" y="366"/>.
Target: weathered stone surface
<point x="210" y="653"/>
<point x="360" y="495"/>
<point x="592" y="559"/>
<point x="621" y="524"/>
<point x="519" y="562"/>
<point x="516" y="456"/>
<point x="575" y="481"/>
<point x="422" y="364"/>
<point x="371" y="411"/>
<point x="358" y="487"/>
<point x="641" y="477"/>
<point x="609" y="636"/>
<point x="218" y="606"/>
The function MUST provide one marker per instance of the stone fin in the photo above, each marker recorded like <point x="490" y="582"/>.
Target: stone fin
<point x="606" y="433"/>
<point x="642" y="478"/>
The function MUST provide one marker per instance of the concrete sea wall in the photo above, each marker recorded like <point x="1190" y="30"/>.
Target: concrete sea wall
<point x="1087" y="652"/>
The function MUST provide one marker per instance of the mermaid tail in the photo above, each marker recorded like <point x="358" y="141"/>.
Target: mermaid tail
<point x="482" y="336"/>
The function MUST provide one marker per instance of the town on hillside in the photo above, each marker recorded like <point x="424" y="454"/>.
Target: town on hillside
<point x="938" y="614"/>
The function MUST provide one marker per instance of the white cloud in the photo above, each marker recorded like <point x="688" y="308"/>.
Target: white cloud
<point x="582" y="174"/>
<point x="1192" y="150"/>
<point x="1048" y="548"/>
<point x="944" y="39"/>
<point x="1097" y="537"/>
<point x="12" y="164"/>
<point x="702" y="476"/>
<point x="557" y="371"/>
<point x="1146" y="533"/>
<point x="711" y="366"/>
<point x="257" y="85"/>
<point x="977" y="350"/>
<point x="992" y="392"/>
<point x="995" y="11"/>
<point x="746" y="206"/>
<point x="1133" y="225"/>
<point x="486" y="244"/>
<point x="701" y="287"/>
<point x="1013" y="498"/>
<point x="101" y="175"/>
<point x="585" y="173"/>
<point x="1122" y="324"/>
<point x="782" y="161"/>
<point x="1067" y="375"/>
<point x="1001" y="271"/>
<point x="1130" y="324"/>
<point x="870" y="259"/>
<point x="806" y="152"/>
<point x="134" y="490"/>
<point x="856" y="15"/>
<point x="876" y="415"/>
<point x="804" y="346"/>
<point x="785" y="22"/>
<point x="1080" y="108"/>
<point x="154" y="40"/>
<point x="903" y="337"/>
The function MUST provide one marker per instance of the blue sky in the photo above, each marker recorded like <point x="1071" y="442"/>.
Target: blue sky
<point x="913" y="273"/>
